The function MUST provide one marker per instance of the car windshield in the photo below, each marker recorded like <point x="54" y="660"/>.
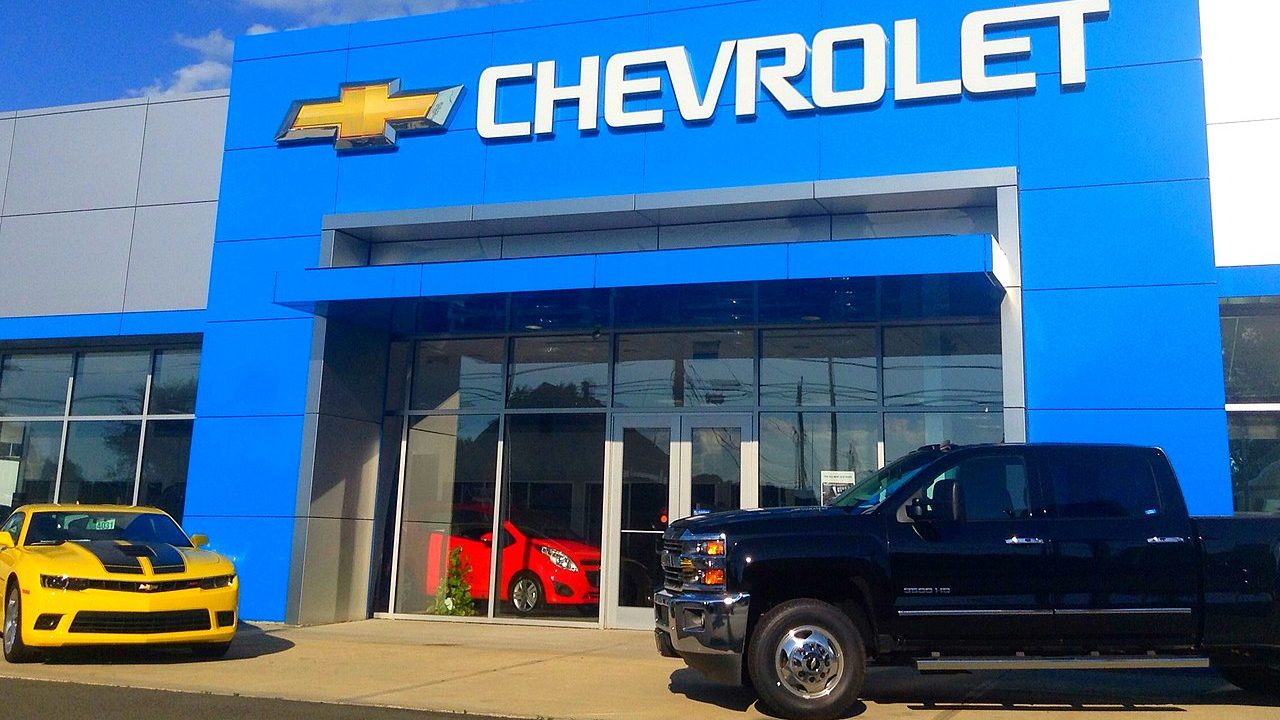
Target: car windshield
<point x="542" y="526"/>
<point x="874" y="490"/>
<point x="54" y="528"/>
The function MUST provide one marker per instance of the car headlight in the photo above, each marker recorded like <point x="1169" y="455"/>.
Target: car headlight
<point x="62" y="582"/>
<point x="220" y="581"/>
<point x="559" y="559"/>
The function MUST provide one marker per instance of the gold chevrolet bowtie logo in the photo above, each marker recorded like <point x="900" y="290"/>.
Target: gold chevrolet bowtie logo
<point x="368" y="115"/>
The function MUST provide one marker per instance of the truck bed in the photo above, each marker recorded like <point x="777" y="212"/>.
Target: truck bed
<point x="1241" y="580"/>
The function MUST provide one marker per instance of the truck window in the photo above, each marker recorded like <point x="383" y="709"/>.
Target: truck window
<point x="1101" y="483"/>
<point x="991" y="488"/>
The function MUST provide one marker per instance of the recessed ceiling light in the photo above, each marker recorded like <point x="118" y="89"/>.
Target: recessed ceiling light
<point x="532" y="327"/>
<point x="811" y="318"/>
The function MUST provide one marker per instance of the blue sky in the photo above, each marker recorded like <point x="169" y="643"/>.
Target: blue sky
<point x="59" y="52"/>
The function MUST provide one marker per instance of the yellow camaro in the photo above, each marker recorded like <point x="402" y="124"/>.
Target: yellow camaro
<point x="111" y="575"/>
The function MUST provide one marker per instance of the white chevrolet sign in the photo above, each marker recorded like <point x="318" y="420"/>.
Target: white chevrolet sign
<point x="779" y="80"/>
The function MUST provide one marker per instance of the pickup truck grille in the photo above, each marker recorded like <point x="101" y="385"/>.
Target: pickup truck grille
<point x="672" y="575"/>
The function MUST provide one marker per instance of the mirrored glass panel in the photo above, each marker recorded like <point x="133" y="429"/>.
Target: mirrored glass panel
<point x="1255" y="461"/>
<point x="549" y="548"/>
<point x="830" y="367"/>
<point x="720" y="304"/>
<point x="165" y="457"/>
<point x="463" y="314"/>
<point x="458" y="375"/>
<point x="34" y="385"/>
<point x="28" y="461"/>
<point x="943" y="366"/>
<point x="838" y="300"/>
<point x="708" y="369"/>
<point x="1251" y="358"/>
<point x="809" y="458"/>
<point x="715" y="469"/>
<point x="905" y="432"/>
<point x="646" y="484"/>
<point x="928" y="297"/>
<point x="559" y="372"/>
<point x="173" y="382"/>
<point x="101" y="462"/>
<point x="447" y="516"/>
<point x="562" y="310"/>
<point x="110" y="383"/>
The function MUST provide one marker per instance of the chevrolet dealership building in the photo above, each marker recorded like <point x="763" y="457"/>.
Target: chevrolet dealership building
<point x="529" y="281"/>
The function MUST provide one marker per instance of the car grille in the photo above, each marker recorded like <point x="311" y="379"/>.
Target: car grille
<point x="140" y="623"/>
<point x="593" y="578"/>
<point x="672" y="574"/>
<point x="155" y="586"/>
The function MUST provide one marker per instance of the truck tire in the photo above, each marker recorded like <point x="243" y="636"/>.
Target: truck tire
<point x="807" y="661"/>
<point x="1261" y="679"/>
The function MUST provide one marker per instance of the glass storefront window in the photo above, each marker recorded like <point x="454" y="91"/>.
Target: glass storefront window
<point x="458" y="375"/>
<point x="468" y="314"/>
<point x="173" y="382"/>
<point x="552" y="510"/>
<point x="110" y="383"/>
<point x="838" y="300"/>
<point x="447" y="515"/>
<point x="28" y="461"/>
<point x="563" y="310"/>
<point x="715" y="469"/>
<point x="904" y="432"/>
<point x="706" y="369"/>
<point x="101" y="462"/>
<point x="165" y="459"/>
<point x="722" y="304"/>
<point x="34" y="385"/>
<point x="806" y="458"/>
<point x="803" y="367"/>
<point x="559" y="372"/>
<point x="1251" y="349"/>
<point x="1255" y="461"/>
<point x="943" y="366"/>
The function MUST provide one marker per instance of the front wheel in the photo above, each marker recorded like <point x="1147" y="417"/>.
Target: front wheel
<point x="15" y="651"/>
<point x="526" y="593"/>
<point x="1261" y="679"/>
<point x="807" y="661"/>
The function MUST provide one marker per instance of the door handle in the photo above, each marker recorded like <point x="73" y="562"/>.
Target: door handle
<point x="1024" y="541"/>
<point x="1166" y="540"/>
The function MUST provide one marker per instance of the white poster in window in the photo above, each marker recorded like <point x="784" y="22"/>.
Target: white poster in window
<point x="835" y="482"/>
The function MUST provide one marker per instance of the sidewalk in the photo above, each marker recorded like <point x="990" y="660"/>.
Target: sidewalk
<point x="587" y="674"/>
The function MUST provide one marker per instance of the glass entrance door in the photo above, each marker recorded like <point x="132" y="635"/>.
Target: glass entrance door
<point x="662" y="468"/>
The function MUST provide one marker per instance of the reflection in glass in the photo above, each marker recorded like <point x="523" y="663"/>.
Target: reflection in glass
<point x="463" y="314"/>
<point x="165" y="457"/>
<point x="646" y="481"/>
<point x="1250" y="347"/>
<point x="927" y="297"/>
<point x="559" y="372"/>
<point x="1255" y="461"/>
<point x="560" y="311"/>
<point x="685" y="305"/>
<point x="447" y="506"/>
<point x="715" y="468"/>
<point x="808" y="458"/>
<point x="708" y="369"/>
<point x="101" y="460"/>
<point x="110" y="383"/>
<point x="943" y="366"/>
<point x="549" y="552"/>
<point x="34" y="384"/>
<point x="805" y="367"/>
<point x="837" y="300"/>
<point x="28" y="461"/>
<point x="458" y="374"/>
<point x="173" y="382"/>
<point x="905" y="432"/>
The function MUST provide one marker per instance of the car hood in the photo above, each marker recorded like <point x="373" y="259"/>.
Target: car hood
<point x="575" y="549"/>
<point x="108" y="559"/>
<point x="772" y="521"/>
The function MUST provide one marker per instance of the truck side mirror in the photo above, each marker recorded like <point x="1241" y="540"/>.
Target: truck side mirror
<point x="920" y="510"/>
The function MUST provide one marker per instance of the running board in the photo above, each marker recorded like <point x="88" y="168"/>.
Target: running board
<point x="1141" y="662"/>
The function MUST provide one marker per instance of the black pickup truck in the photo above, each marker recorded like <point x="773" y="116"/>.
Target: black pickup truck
<point x="1018" y="557"/>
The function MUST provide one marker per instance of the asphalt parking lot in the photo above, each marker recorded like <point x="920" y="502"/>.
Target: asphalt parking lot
<point x="588" y="674"/>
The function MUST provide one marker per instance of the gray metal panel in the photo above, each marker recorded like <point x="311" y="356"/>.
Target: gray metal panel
<point x="432" y="251"/>
<point x="553" y="216"/>
<point x="580" y="243"/>
<point x="76" y="161"/>
<point x="182" y="151"/>
<point x="957" y="221"/>
<point x="354" y="376"/>
<point x="64" y="263"/>
<point x="398" y="225"/>
<point x="726" y="204"/>
<point x="748" y="232"/>
<point x="6" y="143"/>
<point x="345" y="482"/>
<point x="335" y="583"/>
<point x="170" y="257"/>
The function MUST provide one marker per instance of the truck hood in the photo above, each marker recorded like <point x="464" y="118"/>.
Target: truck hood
<point x="772" y="521"/>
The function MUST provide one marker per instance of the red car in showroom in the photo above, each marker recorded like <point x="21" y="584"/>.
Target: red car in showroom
<point x="543" y="564"/>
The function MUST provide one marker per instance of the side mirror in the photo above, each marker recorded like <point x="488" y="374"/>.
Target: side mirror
<point x="487" y="539"/>
<point x="199" y="540"/>
<point x="7" y="541"/>
<point x="919" y="510"/>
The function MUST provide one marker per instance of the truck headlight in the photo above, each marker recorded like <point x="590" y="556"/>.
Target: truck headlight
<point x="559" y="559"/>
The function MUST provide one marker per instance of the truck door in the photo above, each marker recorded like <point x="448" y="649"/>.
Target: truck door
<point x="970" y="564"/>
<point x="1125" y="564"/>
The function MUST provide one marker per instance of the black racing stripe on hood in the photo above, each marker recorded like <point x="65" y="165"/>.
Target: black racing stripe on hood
<point x="112" y="556"/>
<point x="165" y="558"/>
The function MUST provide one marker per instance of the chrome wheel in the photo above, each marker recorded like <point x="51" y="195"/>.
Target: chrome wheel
<point x="809" y="662"/>
<point x="11" y="619"/>
<point x="526" y="594"/>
